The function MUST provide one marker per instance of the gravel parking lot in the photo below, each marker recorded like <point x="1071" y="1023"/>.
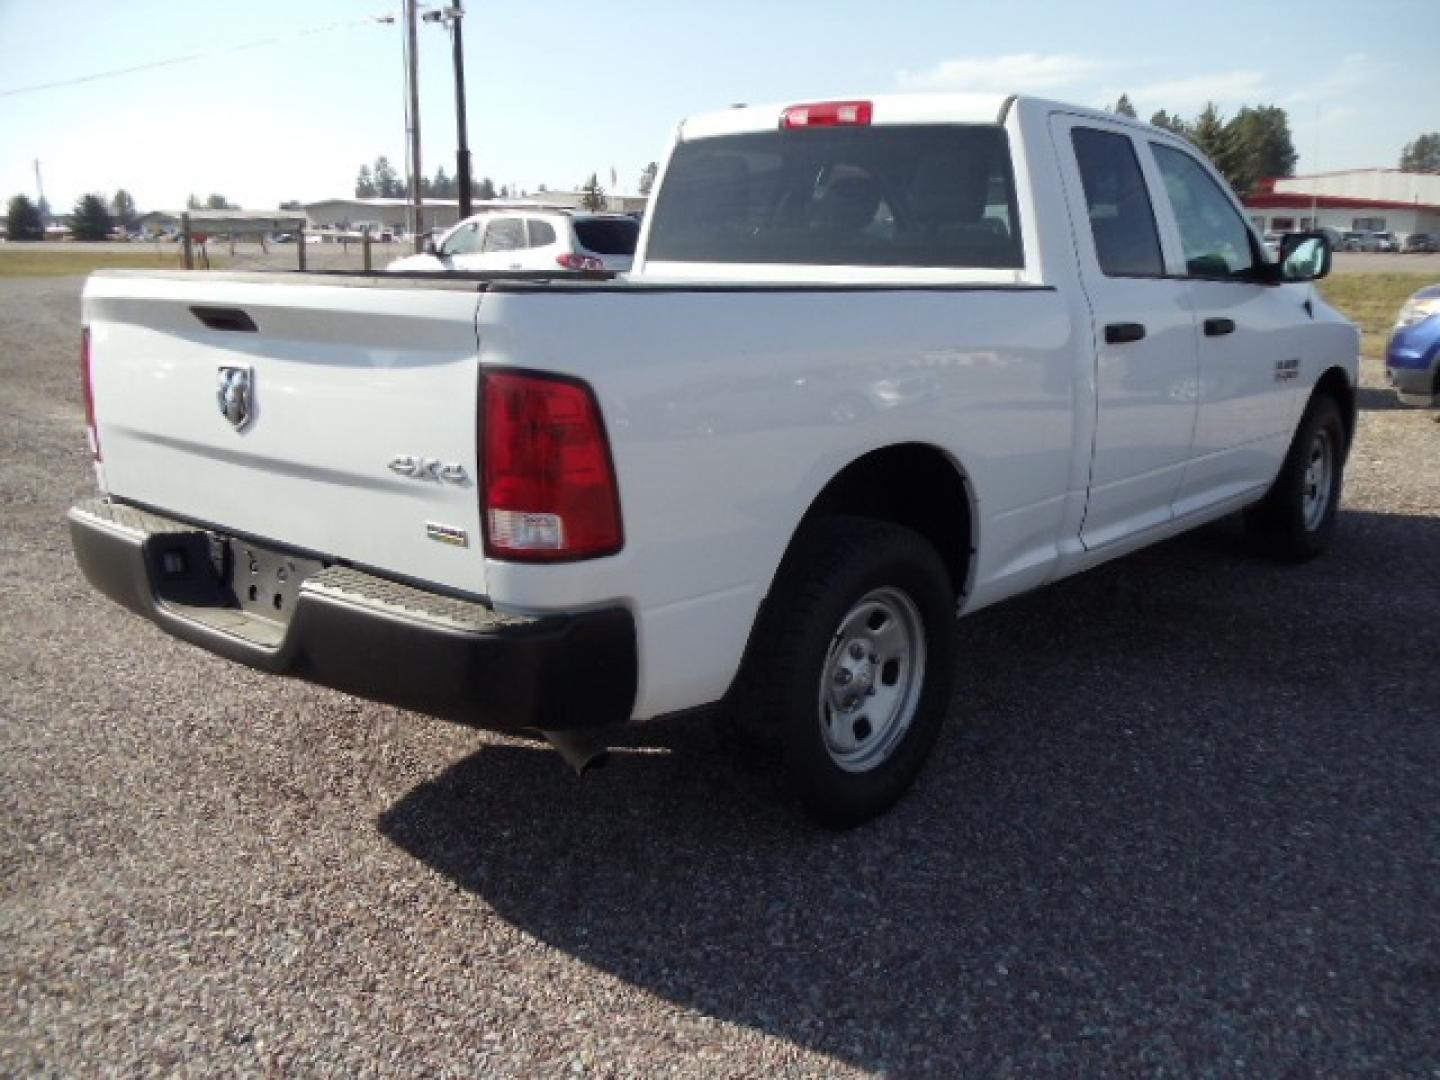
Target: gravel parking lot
<point x="1186" y="822"/>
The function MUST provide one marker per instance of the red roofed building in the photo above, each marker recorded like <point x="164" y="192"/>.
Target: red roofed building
<point x="1352" y="200"/>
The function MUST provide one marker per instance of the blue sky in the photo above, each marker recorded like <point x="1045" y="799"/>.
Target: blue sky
<point x="560" y="89"/>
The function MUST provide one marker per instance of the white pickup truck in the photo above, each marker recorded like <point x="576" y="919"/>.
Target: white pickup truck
<point x="880" y="363"/>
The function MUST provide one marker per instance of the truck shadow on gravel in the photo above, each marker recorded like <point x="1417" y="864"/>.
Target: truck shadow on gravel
<point x="1186" y="815"/>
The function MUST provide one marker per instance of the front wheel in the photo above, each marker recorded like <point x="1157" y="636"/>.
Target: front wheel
<point x="1296" y="519"/>
<point x="850" y="673"/>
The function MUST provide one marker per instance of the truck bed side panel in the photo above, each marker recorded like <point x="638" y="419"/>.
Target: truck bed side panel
<point x="729" y="410"/>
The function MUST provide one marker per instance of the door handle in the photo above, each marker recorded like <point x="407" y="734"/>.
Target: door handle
<point x="1118" y="333"/>
<point x="1219" y="327"/>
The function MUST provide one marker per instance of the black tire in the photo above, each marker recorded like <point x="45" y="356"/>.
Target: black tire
<point x="1296" y="519"/>
<point x="789" y="689"/>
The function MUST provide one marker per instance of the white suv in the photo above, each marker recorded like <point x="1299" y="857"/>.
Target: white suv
<point x="531" y="240"/>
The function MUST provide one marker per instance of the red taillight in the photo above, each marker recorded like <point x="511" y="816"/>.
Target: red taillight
<point x="826" y="114"/>
<point x="579" y="262"/>
<point x="92" y="432"/>
<point x="550" y="490"/>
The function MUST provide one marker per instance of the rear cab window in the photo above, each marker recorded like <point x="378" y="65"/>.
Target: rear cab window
<point x="922" y="195"/>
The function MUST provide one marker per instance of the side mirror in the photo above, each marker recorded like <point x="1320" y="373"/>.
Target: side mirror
<point x="1304" y="257"/>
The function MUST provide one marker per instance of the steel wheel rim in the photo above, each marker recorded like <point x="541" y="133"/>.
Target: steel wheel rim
<point x="1315" y="490"/>
<point x="871" y="681"/>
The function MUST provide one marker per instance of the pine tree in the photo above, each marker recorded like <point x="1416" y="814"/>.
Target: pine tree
<point x="22" y="220"/>
<point x="122" y="205"/>
<point x="1260" y="147"/>
<point x="1213" y="139"/>
<point x="364" y="184"/>
<point x="647" y="177"/>
<point x="91" y="219"/>
<point x="485" y="189"/>
<point x="1422" y="155"/>
<point x="1172" y="124"/>
<point x="1122" y="107"/>
<point x="387" y="183"/>
<point x="594" y="197"/>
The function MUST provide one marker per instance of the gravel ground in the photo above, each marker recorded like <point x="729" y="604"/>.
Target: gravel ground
<point x="1189" y="825"/>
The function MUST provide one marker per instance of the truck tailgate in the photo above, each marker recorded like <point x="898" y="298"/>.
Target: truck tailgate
<point x="351" y="425"/>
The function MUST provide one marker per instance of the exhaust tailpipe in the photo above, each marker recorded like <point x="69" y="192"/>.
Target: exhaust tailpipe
<point x="581" y="750"/>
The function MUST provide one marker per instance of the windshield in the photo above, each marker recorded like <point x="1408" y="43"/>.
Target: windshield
<point x="923" y="196"/>
<point x="608" y="236"/>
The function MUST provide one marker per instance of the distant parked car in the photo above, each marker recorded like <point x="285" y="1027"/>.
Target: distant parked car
<point x="1385" y="241"/>
<point x="531" y="240"/>
<point x="1352" y="241"/>
<point x="1420" y="242"/>
<point x="1273" y="240"/>
<point x="1412" y="359"/>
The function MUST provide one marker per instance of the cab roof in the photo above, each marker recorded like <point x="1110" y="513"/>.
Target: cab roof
<point x="886" y="109"/>
<point x="925" y="108"/>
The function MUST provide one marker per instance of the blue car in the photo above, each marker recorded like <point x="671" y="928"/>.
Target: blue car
<point x="1412" y="359"/>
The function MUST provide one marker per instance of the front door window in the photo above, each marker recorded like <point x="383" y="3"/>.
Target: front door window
<point x="1213" y="235"/>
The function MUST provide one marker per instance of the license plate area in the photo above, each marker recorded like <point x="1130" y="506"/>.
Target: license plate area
<point x="264" y="582"/>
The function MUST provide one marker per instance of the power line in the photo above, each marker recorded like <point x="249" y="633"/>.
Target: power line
<point x="193" y="57"/>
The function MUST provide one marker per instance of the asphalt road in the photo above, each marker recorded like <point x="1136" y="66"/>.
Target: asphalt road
<point x="1186" y="822"/>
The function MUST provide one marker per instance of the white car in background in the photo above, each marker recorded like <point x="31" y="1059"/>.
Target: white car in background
<point x="530" y="240"/>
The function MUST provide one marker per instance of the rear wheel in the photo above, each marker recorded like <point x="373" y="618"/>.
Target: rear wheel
<point x="848" y="678"/>
<point x="1296" y="519"/>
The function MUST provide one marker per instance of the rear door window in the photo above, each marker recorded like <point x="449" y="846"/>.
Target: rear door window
<point x="921" y="196"/>
<point x="542" y="233"/>
<point x="608" y="236"/>
<point x="504" y="234"/>
<point x="1117" y="202"/>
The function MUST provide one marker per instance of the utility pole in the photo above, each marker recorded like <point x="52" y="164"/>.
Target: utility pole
<point x="412" y="116"/>
<point x="462" y="151"/>
<point x="452" y="17"/>
<point x="40" y="195"/>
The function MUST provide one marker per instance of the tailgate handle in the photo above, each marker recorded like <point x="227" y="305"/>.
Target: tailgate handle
<point x="224" y="318"/>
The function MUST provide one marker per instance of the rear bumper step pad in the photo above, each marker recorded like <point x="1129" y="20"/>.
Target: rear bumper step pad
<point x="367" y="635"/>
